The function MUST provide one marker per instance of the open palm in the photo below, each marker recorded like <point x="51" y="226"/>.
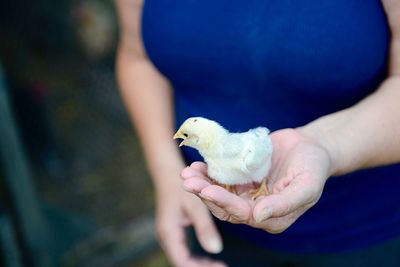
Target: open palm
<point x="300" y="167"/>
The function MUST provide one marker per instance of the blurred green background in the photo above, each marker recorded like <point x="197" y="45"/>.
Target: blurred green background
<point x="89" y="181"/>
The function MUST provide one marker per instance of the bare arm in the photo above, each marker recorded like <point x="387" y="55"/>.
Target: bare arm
<point x="149" y="100"/>
<point x="147" y="96"/>
<point x="362" y="136"/>
<point x="367" y="134"/>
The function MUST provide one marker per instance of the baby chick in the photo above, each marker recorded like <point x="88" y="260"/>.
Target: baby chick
<point x="232" y="158"/>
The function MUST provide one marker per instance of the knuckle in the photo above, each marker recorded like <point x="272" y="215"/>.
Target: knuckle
<point x="223" y="216"/>
<point x="231" y="218"/>
<point x="287" y="205"/>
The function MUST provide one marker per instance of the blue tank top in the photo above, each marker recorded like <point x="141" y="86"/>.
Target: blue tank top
<point x="283" y="64"/>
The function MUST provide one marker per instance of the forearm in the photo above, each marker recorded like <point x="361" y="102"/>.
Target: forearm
<point x="365" y="135"/>
<point x="148" y="99"/>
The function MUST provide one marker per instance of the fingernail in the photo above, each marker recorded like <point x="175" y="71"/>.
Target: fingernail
<point x="265" y="214"/>
<point x="215" y="245"/>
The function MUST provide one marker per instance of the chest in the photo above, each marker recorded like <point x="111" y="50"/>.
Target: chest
<point x="302" y="45"/>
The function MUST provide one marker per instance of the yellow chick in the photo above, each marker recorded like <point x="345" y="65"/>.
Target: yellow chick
<point x="232" y="158"/>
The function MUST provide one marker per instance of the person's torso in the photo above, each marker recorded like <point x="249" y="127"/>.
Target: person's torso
<point x="278" y="64"/>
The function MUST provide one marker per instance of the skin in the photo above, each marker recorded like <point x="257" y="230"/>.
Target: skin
<point x="362" y="136"/>
<point x="303" y="158"/>
<point x="148" y="99"/>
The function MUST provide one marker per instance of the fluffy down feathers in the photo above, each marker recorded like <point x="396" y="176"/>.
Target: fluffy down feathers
<point x="232" y="158"/>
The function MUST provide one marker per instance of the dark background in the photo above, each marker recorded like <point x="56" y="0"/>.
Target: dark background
<point x="85" y="161"/>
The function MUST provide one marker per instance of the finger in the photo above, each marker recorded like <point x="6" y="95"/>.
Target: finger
<point x="236" y="207"/>
<point x="205" y="262"/>
<point x="195" y="185"/>
<point x="205" y="230"/>
<point x="275" y="225"/>
<point x="173" y="241"/>
<point x="190" y="172"/>
<point x="175" y="246"/>
<point x="291" y="198"/>
<point x="218" y="211"/>
<point x="200" y="166"/>
<point x="281" y="185"/>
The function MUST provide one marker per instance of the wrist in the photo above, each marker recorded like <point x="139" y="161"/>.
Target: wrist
<point x="326" y="142"/>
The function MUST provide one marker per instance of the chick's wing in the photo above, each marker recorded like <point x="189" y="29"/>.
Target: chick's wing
<point x="256" y="149"/>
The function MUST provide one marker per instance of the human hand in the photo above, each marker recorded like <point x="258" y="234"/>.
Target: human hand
<point x="300" y="167"/>
<point x="176" y="210"/>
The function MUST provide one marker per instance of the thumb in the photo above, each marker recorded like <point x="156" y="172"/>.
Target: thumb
<point x="205" y="229"/>
<point x="292" y="198"/>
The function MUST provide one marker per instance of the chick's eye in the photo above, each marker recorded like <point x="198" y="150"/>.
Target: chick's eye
<point x="185" y="134"/>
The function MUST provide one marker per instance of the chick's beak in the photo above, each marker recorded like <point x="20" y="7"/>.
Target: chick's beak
<point x="179" y="135"/>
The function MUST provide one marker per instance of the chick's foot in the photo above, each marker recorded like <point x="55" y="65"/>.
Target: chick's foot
<point x="230" y="188"/>
<point x="261" y="191"/>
